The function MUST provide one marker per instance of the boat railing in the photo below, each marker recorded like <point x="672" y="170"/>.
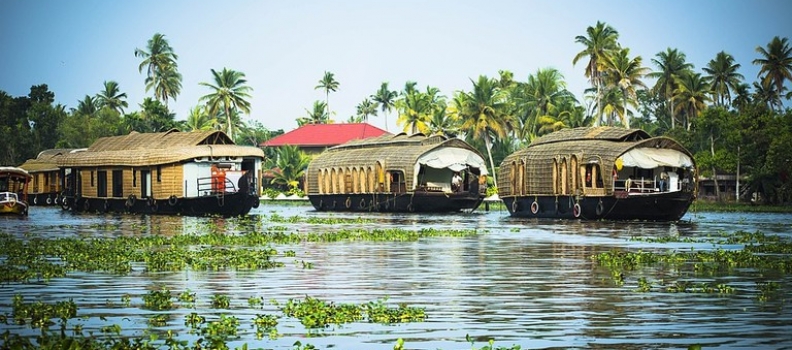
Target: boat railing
<point x="8" y="197"/>
<point x="212" y="186"/>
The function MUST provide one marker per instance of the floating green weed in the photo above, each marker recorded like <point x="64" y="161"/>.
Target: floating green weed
<point x="158" y="299"/>
<point x="221" y="301"/>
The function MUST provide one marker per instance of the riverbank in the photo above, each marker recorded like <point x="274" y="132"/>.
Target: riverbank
<point x="732" y="207"/>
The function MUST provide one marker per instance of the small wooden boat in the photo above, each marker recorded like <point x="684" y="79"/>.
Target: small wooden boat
<point x="599" y="173"/>
<point x="186" y="173"/>
<point x="13" y="191"/>
<point x="47" y="183"/>
<point x="398" y="173"/>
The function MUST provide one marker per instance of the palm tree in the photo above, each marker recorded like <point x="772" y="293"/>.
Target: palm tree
<point x="367" y="108"/>
<point x="316" y="116"/>
<point x="416" y="108"/>
<point x="327" y="83"/>
<point x="386" y="100"/>
<point x="723" y="73"/>
<point x="671" y="65"/>
<point x="161" y="69"/>
<point x="199" y="120"/>
<point x="692" y="94"/>
<point x="625" y="73"/>
<point x="443" y="122"/>
<point x="229" y="92"/>
<point x="482" y="114"/>
<point x="288" y="166"/>
<point x="601" y="40"/>
<point x="534" y="98"/>
<point x="776" y="64"/>
<point x="112" y="98"/>
<point x="766" y="94"/>
<point x="168" y="85"/>
<point x="86" y="106"/>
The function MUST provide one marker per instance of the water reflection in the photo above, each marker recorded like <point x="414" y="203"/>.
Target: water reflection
<point x="521" y="281"/>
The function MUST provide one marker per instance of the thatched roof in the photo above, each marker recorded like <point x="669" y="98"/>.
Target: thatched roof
<point x="46" y="160"/>
<point x="399" y="151"/>
<point x="141" y="149"/>
<point x="596" y="145"/>
<point x="14" y="171"/>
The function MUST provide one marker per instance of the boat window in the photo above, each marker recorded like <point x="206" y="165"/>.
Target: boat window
<point x="397" y="182"/>
<point x="101" y="183"/>
<point x="118" y="183"/>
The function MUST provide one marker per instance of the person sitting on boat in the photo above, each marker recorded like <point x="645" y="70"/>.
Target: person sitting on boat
<point x="628" y="184"/>
<point x="456" y="182"/>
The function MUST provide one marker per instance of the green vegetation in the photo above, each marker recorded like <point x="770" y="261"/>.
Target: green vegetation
<point x="766" y="254"/>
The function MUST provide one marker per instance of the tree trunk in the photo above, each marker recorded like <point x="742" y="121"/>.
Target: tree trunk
<point x="488" y="145"/>
<point x="714" y="172"/>
<point x="228" y="124"/>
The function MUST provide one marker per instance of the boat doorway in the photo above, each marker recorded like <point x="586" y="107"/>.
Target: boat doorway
<point x="145" y="183"/>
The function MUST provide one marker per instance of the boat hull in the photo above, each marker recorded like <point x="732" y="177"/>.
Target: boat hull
<point x="227" y="205"/>
<point x="44" y="199"/>
<point x="409" y="202"/>
<point x="666" y="206"/>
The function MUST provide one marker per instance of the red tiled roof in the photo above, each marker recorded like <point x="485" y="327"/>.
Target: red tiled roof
<point x="325" y="135"/>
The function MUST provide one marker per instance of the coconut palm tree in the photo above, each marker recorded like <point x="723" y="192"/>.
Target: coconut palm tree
<point x="162" y="74"/>
<point x="599" y="42"/>
<point x="670" y="66"/>
<point x="327" y="83"/>
<point x="230" y="91"/>
<point x="168" y="85"/>
<point x="541" y="92"/>
<point x="776" y="64"/>
<point x="87" y="106"/>
<point x="318" y="115"/>
<point x="722" y="71"/>
<point x="199" y="119"/>
<point x="288" y="166"/>
<point x="625" y="73"/>
<point x="367" y="108"/>
<point x="386" y="100"/>
<point x="416" y="108"/>
<point x="112" y="98"/>
<point x="692" y="95"/>
<point x="482" y="114"/>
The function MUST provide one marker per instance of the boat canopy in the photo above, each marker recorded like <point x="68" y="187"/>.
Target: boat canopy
<point x="650" y="158"/>
<point x="456" y="159"/>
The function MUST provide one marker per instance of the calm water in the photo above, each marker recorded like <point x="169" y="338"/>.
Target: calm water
<point x="525" y="282"/>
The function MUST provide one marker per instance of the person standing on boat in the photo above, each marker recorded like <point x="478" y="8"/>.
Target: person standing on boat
<point x="456" y="182"/>
<point x="663" y="180"/>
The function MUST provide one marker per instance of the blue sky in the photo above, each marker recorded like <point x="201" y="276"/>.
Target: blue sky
<point x="284" y="47"/>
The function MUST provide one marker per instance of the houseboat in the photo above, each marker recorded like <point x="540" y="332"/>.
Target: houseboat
<point x="13" y="191"/>
<point x="398" y="173"/>
<point x="599" y="173"/>
<point x="47" y="181"/>
<point x="184" y="173"/>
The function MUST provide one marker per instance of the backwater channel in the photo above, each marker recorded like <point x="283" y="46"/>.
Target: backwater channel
<point x="531" y="283"/>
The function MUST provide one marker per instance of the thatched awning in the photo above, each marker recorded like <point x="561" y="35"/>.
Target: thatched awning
<point x="141" y="149"/>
